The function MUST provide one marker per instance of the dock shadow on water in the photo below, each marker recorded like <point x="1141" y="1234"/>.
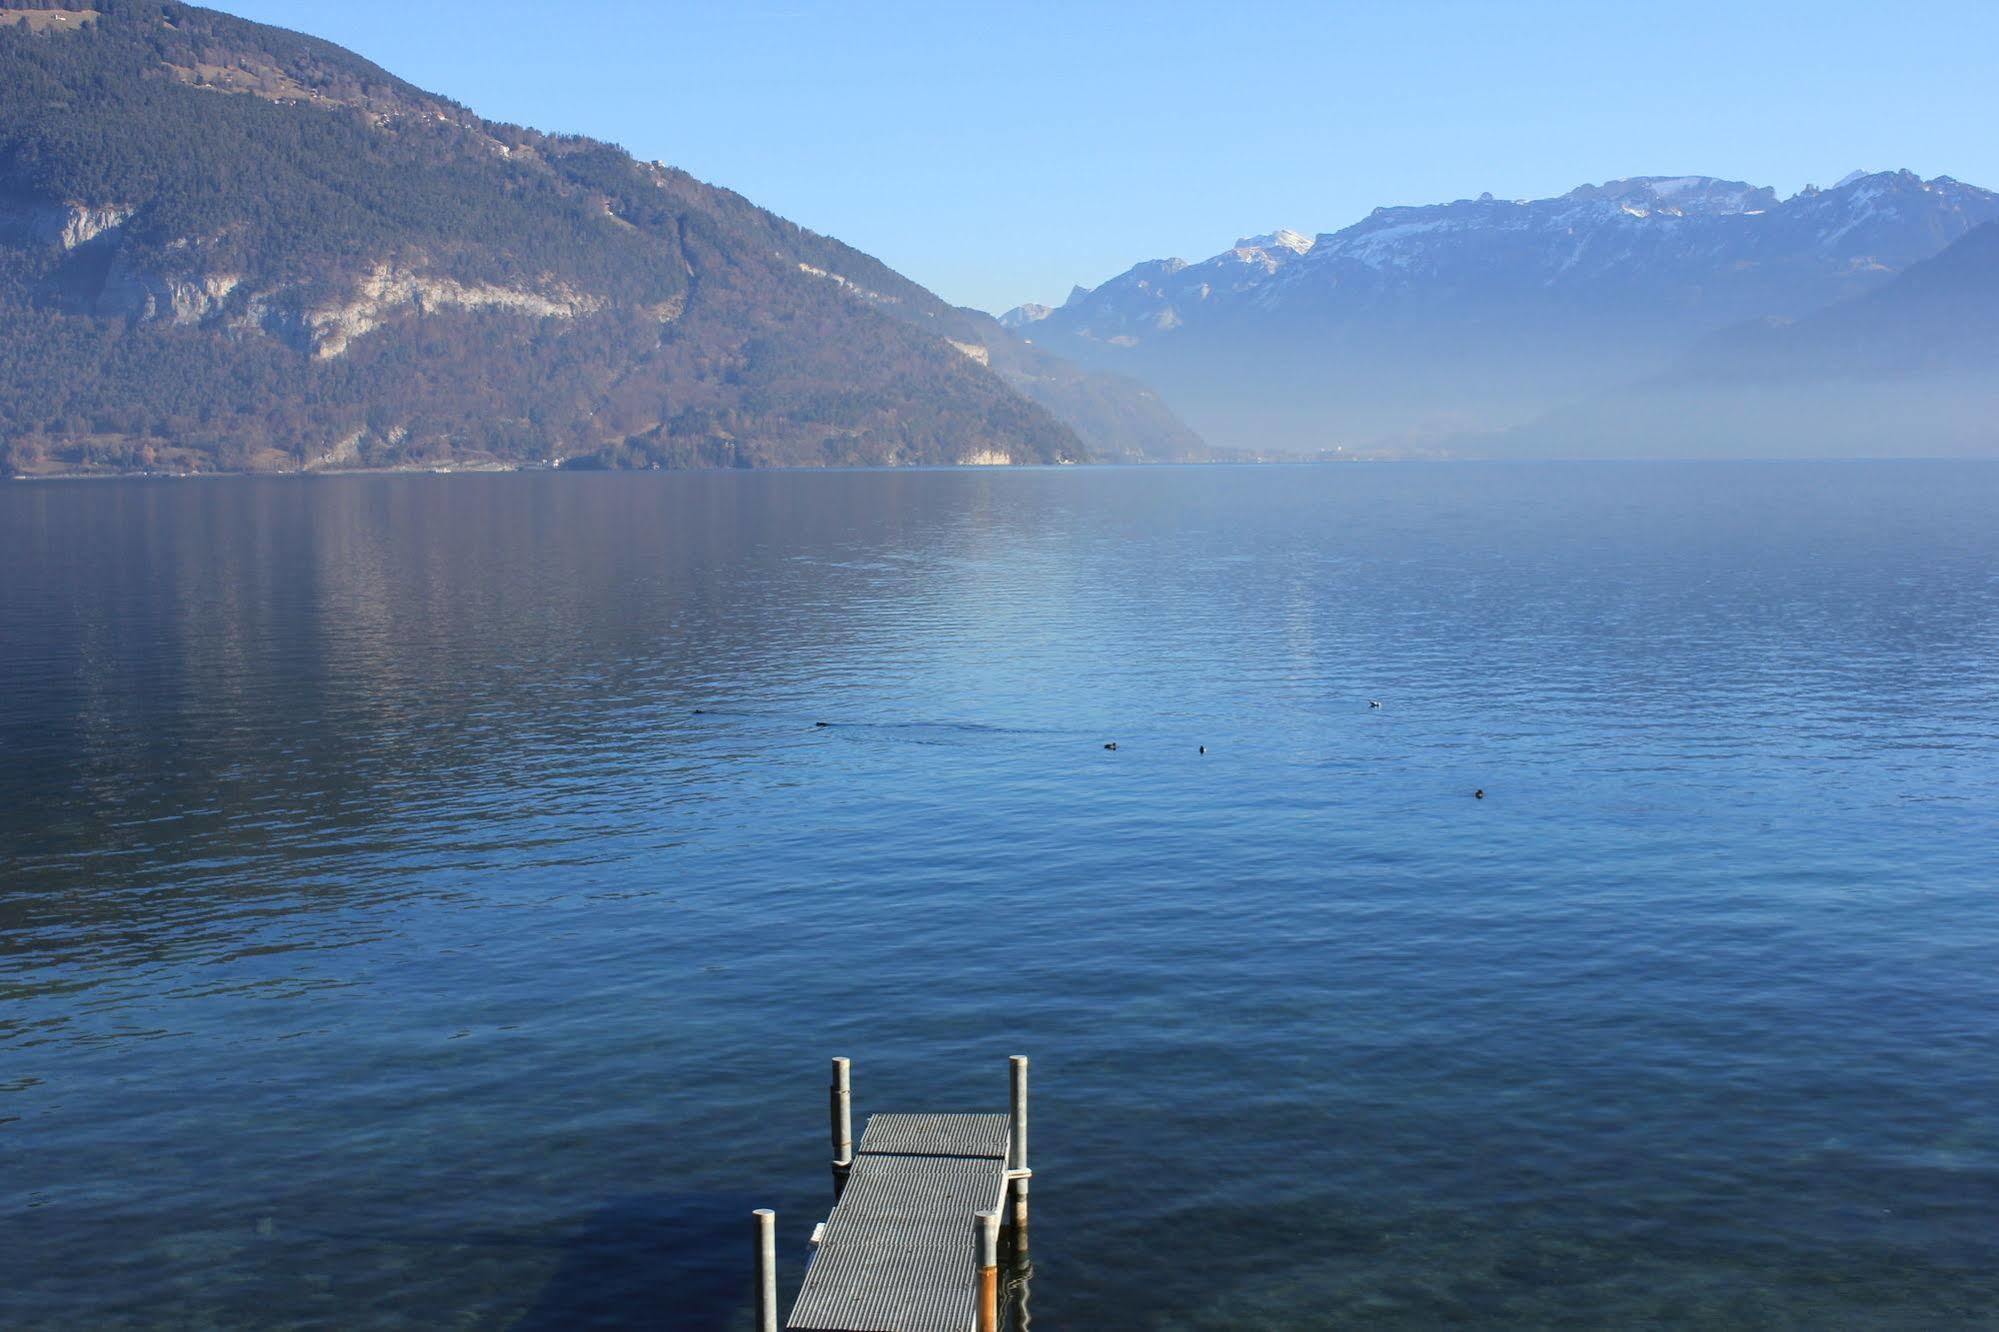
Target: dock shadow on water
<point x="651" y="1260"/>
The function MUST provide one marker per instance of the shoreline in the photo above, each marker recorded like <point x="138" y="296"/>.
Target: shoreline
<point x="1418" y="460"/>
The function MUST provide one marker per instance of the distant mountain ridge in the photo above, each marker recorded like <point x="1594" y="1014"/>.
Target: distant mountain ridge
<point x="1419" y="323"/>
<point x="1909" y="369"/>
<point x="1940" y="315"/>
<point x="225" y="245"/>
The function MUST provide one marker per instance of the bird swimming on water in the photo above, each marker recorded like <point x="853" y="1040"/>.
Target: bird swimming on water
<point x="1111" y="745"/>
<point x="1478" y="794"/>
<point x="1374" y="702"/>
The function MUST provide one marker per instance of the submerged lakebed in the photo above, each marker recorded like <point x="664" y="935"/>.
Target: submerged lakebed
<point x="430" y="900"/>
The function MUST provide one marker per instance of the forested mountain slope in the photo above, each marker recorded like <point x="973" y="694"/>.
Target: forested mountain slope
<point x="224" y="245"/>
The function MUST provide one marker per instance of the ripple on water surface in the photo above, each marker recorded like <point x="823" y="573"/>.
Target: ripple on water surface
<point x="432" y="900"/>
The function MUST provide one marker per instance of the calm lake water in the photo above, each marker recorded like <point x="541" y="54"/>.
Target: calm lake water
<point x="429" y="901"/>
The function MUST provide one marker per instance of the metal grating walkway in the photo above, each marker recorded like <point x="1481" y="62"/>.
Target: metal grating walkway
<point x="935" y="1135"/>
<point x="900" y="1251"/>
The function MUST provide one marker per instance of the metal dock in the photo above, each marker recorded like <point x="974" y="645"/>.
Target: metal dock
<point x="913" y="1241"/>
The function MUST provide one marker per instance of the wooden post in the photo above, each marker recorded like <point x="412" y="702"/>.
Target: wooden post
<point x="1018" y="1152"/>
<point x="989" y="1228"/>
<point x="766" y="1269"/>
<point x="842" y="1108"/>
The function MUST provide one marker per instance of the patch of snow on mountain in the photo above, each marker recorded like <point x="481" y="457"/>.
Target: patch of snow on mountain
<point x="1281" y="239"/>
<point x="1022" y="315"/>
<point x="1706" y="194"/>
<point x="1676" y="196"/>
<point x="1389" y="244"/>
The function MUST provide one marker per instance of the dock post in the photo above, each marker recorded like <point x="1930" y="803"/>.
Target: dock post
<point x="766" y="1221"/>
<point x="842" y="1107"/>
<point x="1018" y="1152"/>
<point x="989" y="1228"/>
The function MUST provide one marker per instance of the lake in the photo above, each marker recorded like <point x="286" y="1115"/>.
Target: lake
<point x="431" y="901"/>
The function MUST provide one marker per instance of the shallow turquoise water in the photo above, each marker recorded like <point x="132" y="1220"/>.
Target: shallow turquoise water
<point x="429" y="901"/>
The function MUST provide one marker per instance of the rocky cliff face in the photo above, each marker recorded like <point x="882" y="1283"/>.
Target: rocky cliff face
<point x="63" y="225"/>
<point x="131" y="290"/>
<point x="386" y="295"/>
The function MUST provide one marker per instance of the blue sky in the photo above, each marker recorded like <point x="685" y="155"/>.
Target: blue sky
<point x="998" y="153"/>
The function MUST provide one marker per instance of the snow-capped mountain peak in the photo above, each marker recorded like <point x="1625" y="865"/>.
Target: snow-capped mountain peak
<point x="1281" y="239"/>
<point x="1677" y="196"/>
<point x="1022" y="315"/>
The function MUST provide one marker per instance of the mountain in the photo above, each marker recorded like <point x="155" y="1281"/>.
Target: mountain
<point x="1911" y="369"/>
<point x="1418" y="323"/>
<point x="224" y="245"/>
<point x="1941" y="316"/>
